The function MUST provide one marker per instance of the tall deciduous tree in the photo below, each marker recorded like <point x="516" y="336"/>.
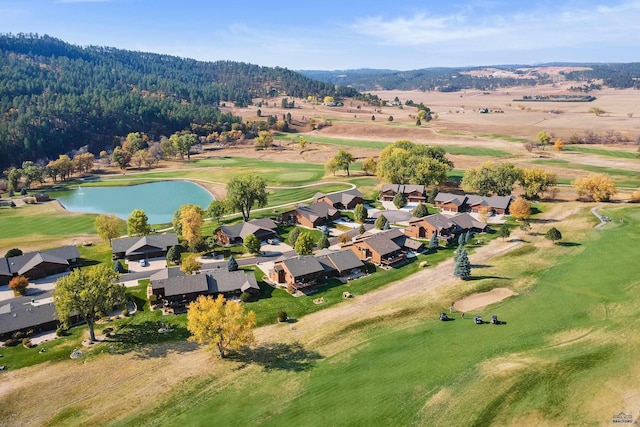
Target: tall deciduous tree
<point x="404" y="161"/>
<point x="191" y="222"/>
<point x="370" y="165"/>
<point x="400" y="200"/>
<point x="108" y="227"/>
<point x="343" y="160"/>
<point x="293" y="236"/>
<point x="491" y="178"/>
<point x="304" y="244"/>
<point x="535" y="181"/>
<point x="360" y="213"/>
<point x="121" y="157"/>
<point x="331" y="167"/>
<point x="598" y="187"/>
<point x="89" y="293"/>
<point x="543" y="138"/>
<point x="520" y="208"/>
<point x="182" y="142"/>
<point x="216" y="209"/>
<point x="220" y="324"/>
<point x="138" y="223"/>
<point x="263" y="140"/>
<point x="246" y="191"/>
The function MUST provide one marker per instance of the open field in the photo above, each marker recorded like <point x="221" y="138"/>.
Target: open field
<point x="565" y="355"/>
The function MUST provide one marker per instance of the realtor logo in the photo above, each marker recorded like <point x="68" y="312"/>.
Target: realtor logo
<point x="622" y="418"/>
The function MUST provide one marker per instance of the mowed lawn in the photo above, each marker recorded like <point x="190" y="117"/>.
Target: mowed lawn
<point x="567" y="355"/>
<point x="41" y="225"/>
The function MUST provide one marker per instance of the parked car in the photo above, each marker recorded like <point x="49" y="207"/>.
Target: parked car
<point x="143" y="263"/>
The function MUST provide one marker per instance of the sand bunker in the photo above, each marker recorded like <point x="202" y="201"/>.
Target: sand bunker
<point x="480" y="300"/>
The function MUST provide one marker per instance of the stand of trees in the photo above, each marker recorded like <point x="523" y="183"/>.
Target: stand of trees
<point x="56" y="96"/>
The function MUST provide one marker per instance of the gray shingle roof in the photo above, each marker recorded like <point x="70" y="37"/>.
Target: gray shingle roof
<point x="130" y="245"/>
<point x="250" y="227"/>
<point x="344" y="197"/>
<point x="456" y="199"/>
<point x="222" y="280"/>
<point x="404" y="188"/>
<point x="467" y="222"/>
<point x="382" y="245"/>
<point x="341" y="260"/>
<point x="303" y="265"/>
<point x="499" y="202"/>
<point x="316" y="211"/>
<point x="213" y="281"/>
<point x="438" y="221"/>
<point x="23" y="263"/>
<point x="17" y="314"/>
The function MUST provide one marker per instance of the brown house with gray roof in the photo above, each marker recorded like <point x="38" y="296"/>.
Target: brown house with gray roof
<point x="152" y="246"/>
<point x="450" y="202"/>
<point x="413" y="193"/>
<point x="173" y="286"/>
<point x="263" y="229"/>
<point x="342" y="200"/>
<point x="311" y="216"/>
<point x="35" y="265"/>
<point x="447" y="227"/>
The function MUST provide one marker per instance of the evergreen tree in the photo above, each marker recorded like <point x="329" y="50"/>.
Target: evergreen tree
<point x="461" y="239"/>
<point x="463" y="266"/>
<point x="420" y="211"/>
<point x="174" y="254"/>
<point x="232" y="264"/>
<point x="323" y="242"/>
<point x="361" y="229"/>
<point x="381" y="222"/>
<point x="467" y="237"/>
<point x="293" y="236"/>
<point x="360" y="214"/>
<point x="400" y="200"/>
<point x="432" y="195"/>
<point x="504" y="231"/>
<point x="433" y="242"/>
<point x="118" y="268"/>
<point x="553" y="234"/>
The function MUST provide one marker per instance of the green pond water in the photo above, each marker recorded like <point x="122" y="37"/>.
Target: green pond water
<point x="159" y="200"/>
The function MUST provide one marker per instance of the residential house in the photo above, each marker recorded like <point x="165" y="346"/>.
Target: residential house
<point x="450" y="202"/>
<point x="306" y="271"/>
<point x="299" y="272"/>
<point x="447" y="227"/>
<point x="413" y="193"/>
<point x="135" y="248"/>
<point x="342" y="200"/>
<point x="19" y="314"/>
<point x="377" y="248"/>
<point x="176" y="288"/>
<point x="263" y="229"/>
<point x="35" y="265"/>
<point x="498" y="205"/>
<point x="311" y="216"/>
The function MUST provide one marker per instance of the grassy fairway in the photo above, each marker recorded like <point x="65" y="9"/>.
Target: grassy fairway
<point x="356" y="143"/>
<point x="621" y="177"/>
<point x="42" y="225"/>
<point x="567" y="354"/>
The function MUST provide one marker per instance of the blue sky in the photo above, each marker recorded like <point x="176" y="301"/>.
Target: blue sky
<point x="331" y="35"/>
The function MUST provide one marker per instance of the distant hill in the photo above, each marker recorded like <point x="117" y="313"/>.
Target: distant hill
<point x="56" y="97"/>
<point x="586" y="77"/>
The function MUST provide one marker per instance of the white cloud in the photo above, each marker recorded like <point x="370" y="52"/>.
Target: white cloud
<point x="538" y="27"/>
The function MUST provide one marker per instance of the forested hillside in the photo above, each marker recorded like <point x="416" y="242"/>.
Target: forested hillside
<point x="619" y="76"/>
<point x="56" y="97"/>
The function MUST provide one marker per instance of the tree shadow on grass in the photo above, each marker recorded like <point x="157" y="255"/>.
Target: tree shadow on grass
<point x="568" y="244"/>
<point x="471" y="278"/>
<point x="143" y="339"/>
<point x="278" y="357"/>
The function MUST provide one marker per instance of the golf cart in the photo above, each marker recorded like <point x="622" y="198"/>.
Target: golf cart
<point x="478" y="320"/>
<point x="494" y="320"/>
<point x="444" y="317"/>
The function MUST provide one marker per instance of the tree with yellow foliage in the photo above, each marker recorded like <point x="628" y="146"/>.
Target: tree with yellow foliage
<point x="191" y="220"/>
<point x="558" y="145"/>
<point x="520" y="209"/>
<point x="598" y="187"/>
<point x="220" y="324"/>
<point x="483" y="214"/>
<point x="190" y="265"/>
<point x="635" y="196"/>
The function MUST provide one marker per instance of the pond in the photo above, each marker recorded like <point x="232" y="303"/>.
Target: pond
<point x="159" y="200"/>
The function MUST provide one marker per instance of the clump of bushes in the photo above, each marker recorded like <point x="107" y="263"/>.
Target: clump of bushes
<point x="61" y="331"/>
<point x="247" y="297"/>
<point x="424" y="264"/>
<point x="26" y="343"/>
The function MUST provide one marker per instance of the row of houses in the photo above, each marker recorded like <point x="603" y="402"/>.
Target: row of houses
<point x="455" y="203"/>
